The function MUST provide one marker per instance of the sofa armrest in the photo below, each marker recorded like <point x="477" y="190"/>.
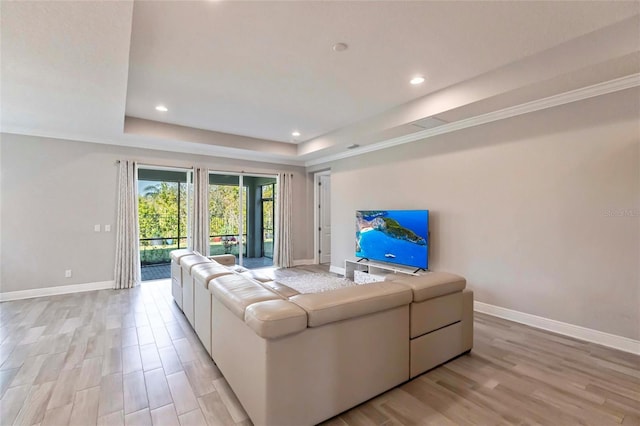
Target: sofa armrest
<point x="432" y="284"/>
<point x="189" y="261"/>
<point x="350" y="302"/>
<point x="224" y="259"/>
<point x="275" y="318"/>
<point x="237" y="293"/>
<point x="177" y="254"/>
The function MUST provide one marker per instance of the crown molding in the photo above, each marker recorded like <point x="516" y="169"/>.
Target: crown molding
<point x="192" y="148"/>
<point x="587" y="92"/>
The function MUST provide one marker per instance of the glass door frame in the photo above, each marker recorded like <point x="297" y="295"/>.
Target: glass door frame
<point x="242" y="206"/>
<point x="273" y="216"/>
<point x="189" y="202"/>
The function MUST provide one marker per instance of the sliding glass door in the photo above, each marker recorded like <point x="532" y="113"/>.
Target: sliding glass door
<point x="241" y="209"/>
<point x="227" y="215"/>
<point x="268" y="219"/>
<point x="162" y="217"/>
<point x="241" y="212"/>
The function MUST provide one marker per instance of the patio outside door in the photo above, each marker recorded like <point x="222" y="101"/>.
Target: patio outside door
<point x="242" y="219"/>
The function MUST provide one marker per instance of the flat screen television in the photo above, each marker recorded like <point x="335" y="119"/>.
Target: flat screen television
<point x="394" y="236"/>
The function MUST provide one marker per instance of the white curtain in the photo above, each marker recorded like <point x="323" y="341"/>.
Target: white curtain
<point x="200" y="214"/>
<point x="282" y="256"/>
<point x="127" y="269"/>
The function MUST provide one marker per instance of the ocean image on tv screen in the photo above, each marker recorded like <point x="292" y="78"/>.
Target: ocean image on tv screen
<point x="395" y="236"/>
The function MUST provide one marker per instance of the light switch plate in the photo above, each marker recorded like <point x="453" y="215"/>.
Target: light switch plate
<point x="96" y="228"/>
<point x="107" y="228"/>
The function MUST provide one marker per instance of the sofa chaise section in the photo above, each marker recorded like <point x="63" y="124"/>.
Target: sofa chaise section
<point x="303" y="360"/>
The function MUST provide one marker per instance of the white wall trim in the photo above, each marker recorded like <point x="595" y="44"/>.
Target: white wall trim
<point x="587" y="92"/>
<point x="606" y="339"/>
<point x="337" y="270"/>
<point x="300" y="262"/>
<point x="315" y="207"/>
<point x="52" y="291"/>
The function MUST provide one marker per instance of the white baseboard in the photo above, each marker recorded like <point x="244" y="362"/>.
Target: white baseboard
<point x="52" y="291"/>
<point x="300" y="262"/>
<point x="337" y="270"/>
<point x="605" y="339"/>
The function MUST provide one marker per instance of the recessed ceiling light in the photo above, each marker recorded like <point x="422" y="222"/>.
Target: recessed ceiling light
<point x="340" y="47"/>
<point x="295" y="133"/>
<point x="417" y="80"/>
<point x="162" y="108"/>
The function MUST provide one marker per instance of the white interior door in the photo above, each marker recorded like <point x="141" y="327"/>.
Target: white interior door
<point x="324" y="216"/>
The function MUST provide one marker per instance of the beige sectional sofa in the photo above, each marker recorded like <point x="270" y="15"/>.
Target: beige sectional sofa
<point x="298" y="359"/>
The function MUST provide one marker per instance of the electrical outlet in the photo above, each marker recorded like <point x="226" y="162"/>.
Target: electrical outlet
<point x="67" y="273"/>
<point x="96" y="228"/>
<point x="107" y="228"/>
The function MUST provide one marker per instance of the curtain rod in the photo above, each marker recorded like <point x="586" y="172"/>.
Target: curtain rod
<point x="160" y="167"/>
<point x="216" y="171"/>
<point x="243" y="172"/>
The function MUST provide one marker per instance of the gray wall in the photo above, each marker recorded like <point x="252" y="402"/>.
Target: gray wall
<point x="52" y="193"/>
<point x="526" y="208"/>
<point x="523" y="208"/>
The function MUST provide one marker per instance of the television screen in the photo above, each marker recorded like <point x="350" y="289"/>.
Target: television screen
<point x="394" y="236"/>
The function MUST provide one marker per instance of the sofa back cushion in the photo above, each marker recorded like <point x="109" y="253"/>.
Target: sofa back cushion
<point x="237" y="292"/>
<point x="205" y="272"/>
<point x="189" y="261"/>
<point x="283" y="290"/>
<point x="262" y="275"/>
<point x="336" y="305"/>
<point x="224" y="259"/>
<point x="177" y="254"/>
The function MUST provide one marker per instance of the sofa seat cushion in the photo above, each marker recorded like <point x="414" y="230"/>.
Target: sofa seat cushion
<point x="263" y="275"/>
<point x="275" y="318"/>
<point x="188" y="262"/>
<point x="177" y="254"/>
<point x="281" y="289"/>
<point x="205" y="272"/>
<point x="224" y="259"/>
<point x="433" y="284"/>
<point x="237" y="292"/>
<point x="336" y="305"/>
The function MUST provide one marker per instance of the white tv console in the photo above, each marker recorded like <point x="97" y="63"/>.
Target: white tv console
<point x="366" y="271"/>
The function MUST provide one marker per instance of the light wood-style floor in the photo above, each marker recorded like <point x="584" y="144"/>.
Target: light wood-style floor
<point x="515" y="374"/>
<point x="130" y="357"/>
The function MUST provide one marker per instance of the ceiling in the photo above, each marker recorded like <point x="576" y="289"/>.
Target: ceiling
<point x="238" y="77"/>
